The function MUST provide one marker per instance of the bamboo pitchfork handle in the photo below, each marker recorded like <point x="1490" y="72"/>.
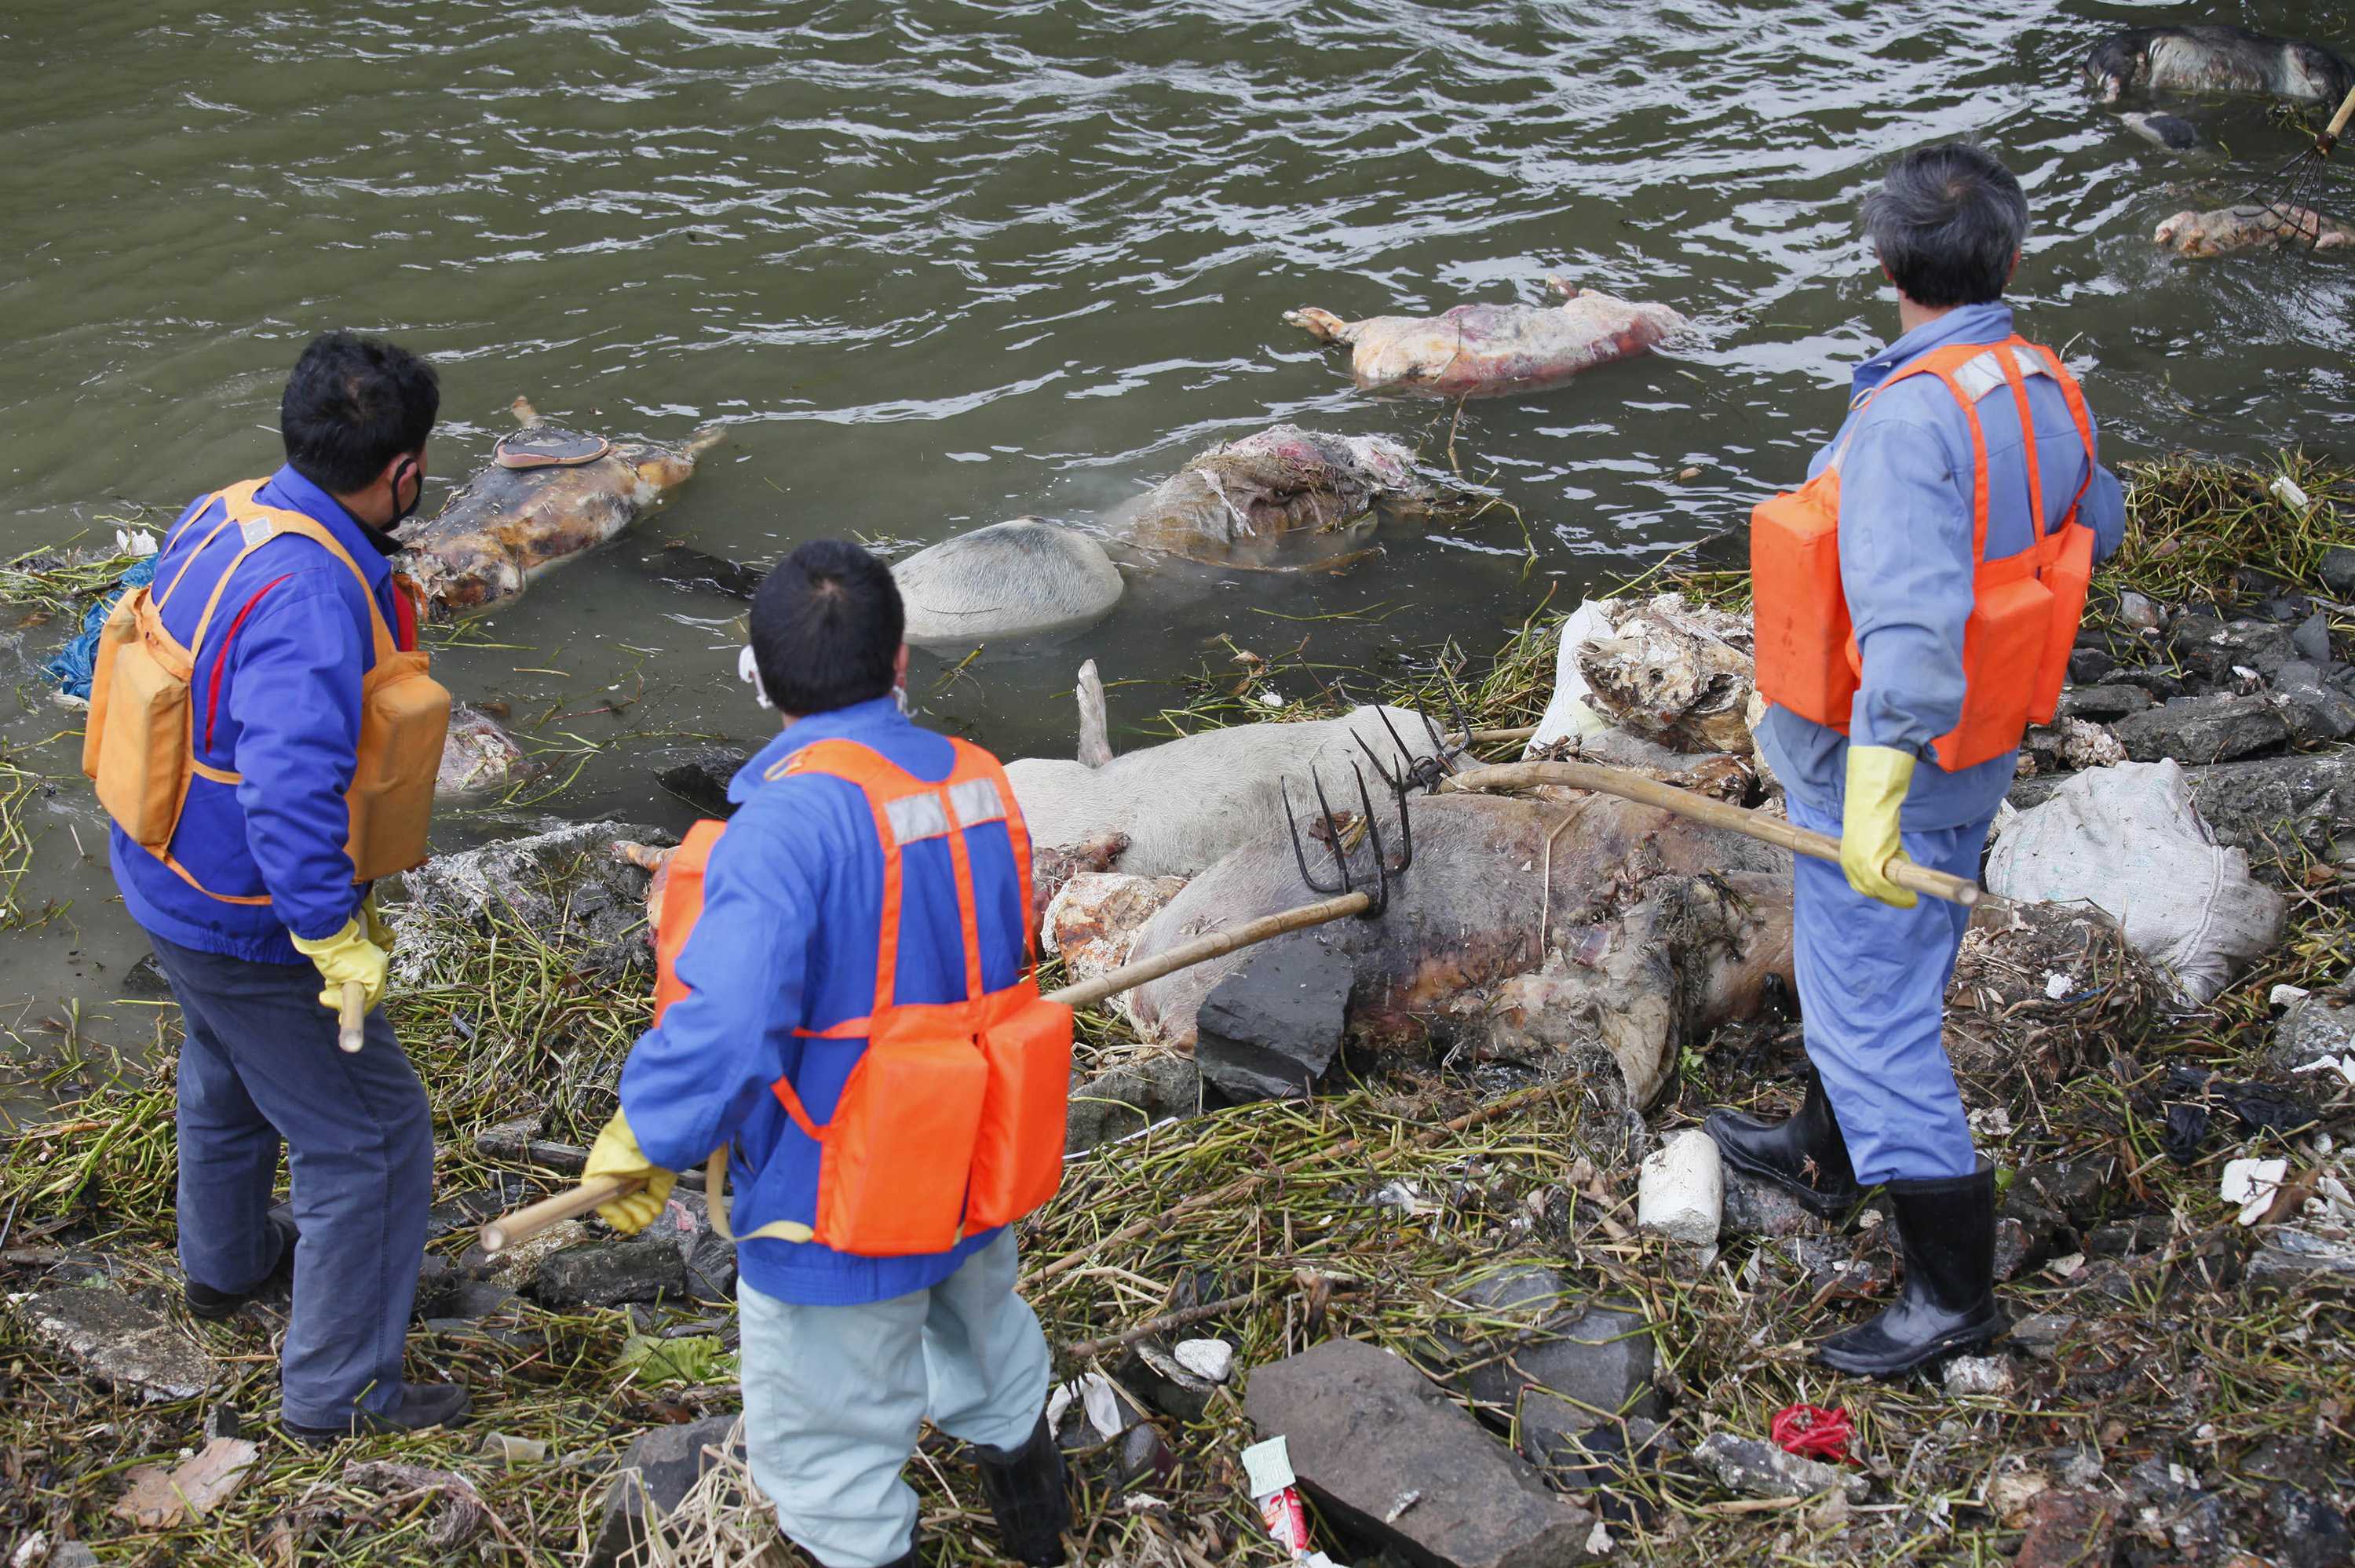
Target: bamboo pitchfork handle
<point x="2339" y="121"/>
<point x="351" y="1023"/>
<point x="508" y="1230"/>
<point x="1634" y="787"/>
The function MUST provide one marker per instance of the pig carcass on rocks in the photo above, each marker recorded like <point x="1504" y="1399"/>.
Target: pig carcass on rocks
<point x="549" y="495"/>
<point x="1489" y="351"/>
<point x="1570" y="936"/>
<point x="1184" y="804"/>
<point x="1678" y="673"/>
<point x="1285" y="499"/>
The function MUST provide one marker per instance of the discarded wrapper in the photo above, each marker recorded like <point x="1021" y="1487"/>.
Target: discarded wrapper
<point x="1268" y="1468"/>
<point x="1813" y="1432"/>
<point x="2252" y="1184"/>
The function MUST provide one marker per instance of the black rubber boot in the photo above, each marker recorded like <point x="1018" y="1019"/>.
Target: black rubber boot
<point x="1804" y="1155"/>
<point x="1945" y="1228"/>
<point x="1027" y="1495"/>
<point x="216" y="1306"/>
<point x="423" y="1404"/>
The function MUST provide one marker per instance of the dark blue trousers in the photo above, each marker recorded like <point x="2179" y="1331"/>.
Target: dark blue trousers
<point x="260" y="1068"/>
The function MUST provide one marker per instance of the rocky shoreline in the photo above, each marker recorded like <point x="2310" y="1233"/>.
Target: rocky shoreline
<point x="1567" y="1383"/>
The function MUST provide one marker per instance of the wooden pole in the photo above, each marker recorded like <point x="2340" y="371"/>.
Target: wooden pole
<point x="351" y="1023"/>
<point x="1630" y="786"/>
<point x="508" y="1230"/>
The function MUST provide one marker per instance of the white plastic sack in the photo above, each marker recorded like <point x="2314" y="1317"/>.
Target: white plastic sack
<point x="1567" y="716"/>
<point x="2127" y="840"/>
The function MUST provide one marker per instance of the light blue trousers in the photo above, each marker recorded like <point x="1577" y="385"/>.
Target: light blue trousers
<point x="834" y="1396"/>
<point x="1873" y="991"/>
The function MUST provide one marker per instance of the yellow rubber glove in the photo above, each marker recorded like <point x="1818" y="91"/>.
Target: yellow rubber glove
<point x="378" y="931"/>
<point x="348" y="955"/>
<point x="1878" y="778"/>
<point x="616" y="1153"/>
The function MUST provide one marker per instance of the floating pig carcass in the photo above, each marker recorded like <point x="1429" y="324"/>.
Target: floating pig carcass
<point x="1027" y="578"/>
<point x="1489" y="351"/>
<point x="1283" y="500"/>
<point x="548" y="494"/>
<point x="2252" y="227"/>
<point x="2208" y="58"/>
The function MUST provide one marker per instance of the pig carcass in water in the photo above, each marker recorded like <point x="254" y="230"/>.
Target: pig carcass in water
<point x="1285" y="499"/>
<point x="548" y="494"/>
<point x="1488" y="350"/>
<point x="2216" y="59"/>
<point x="2252" y="227"/>
<point x="1563" y="936"/>
<point x="1026" y="578"/>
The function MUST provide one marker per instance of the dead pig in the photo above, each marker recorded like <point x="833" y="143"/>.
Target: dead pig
<point x="2251" y="228"/>
<point x="2213" y="58"/>
<point x="548" y="494"/>
<point x="1285" y="499"/>
<point x="1024" y="578"/>
<point x="1598" y="931"/>
<point x="1491" y="351"/>
<point x="477" y="756"/>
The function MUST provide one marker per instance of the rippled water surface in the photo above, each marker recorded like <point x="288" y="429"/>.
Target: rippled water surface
<point x="937" y="264"/>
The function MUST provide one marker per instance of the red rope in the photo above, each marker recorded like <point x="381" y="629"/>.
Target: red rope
<point x="1813" y="1432"/>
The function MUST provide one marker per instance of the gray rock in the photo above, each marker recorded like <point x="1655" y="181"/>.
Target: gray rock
<point x="699" y="775"/>
<point x="566" y="886"/>
<point x="121" y="1344"/>
<point x="437" y="1288"/>
<point x="1130" y="1097"/>
<point x="1154" y="1374"/>
<point x="2091" y="663"/>
<point x="72" y="1554"/>
<point x="2139" y="611"/>
<point x="1761" y="1470"/>
<point x="2338" y="570"/>
<point x="708" y="1258"/>
<point x="2041" y="1334"/>
<point x="2316" y="711"/>
<point x="2103" y="704"/>
<point x="1364" y="1429"/>
<point x="2261" y="805"/>
<point x="2076" y="1188"/>
<point x="2194" y="731"/>
<point x="1538" y="1337"/>
<point x="2309" y="1028"/>
<point x="1759" y="1208"/>
<point x="1145" y="1458"/>
<point x="1270" y="1029"/>
<point x="643" y="1268"/>
<point x="2311" y="638"/>
<point x="2313" y="1531"/>
<point x="2291" y="1256"/>
<point x="2161" y="684"/>
<point x="2215" y="650"/>
<point x="663" y="1464"/>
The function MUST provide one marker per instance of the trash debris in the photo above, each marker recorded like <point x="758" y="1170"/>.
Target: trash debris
<point x="511" y="1450"/>
<point x="1098" y="1400"/>
<point x="1812" y="1432"/>
<point x="2290" y="493"/>
<point x="2058" y="985"/>
<point x="1761" y="1470"/>
<point x="2251" y="1185"/>
<point x="1680" y="1193"/>
<point x="2282" y="995"/>
<point x="1968" y="1375"/>
<point x="1568" y="715"/>
<point x="1211" y="1359"/>
<point x="157" y="1500"/>
<point x="1268" y="1465"/>
<point x="2128" y="840"/>
<point x="2342" y="1065"/>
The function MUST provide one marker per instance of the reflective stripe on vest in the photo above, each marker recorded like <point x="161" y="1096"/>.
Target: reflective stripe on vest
<point x="2026" y="605"/>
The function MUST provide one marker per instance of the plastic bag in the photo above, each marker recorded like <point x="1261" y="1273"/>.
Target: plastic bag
<point x="2129" y="840"/>
<point x="77" y="662"/>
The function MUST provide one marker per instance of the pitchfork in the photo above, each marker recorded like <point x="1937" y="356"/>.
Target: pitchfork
<point x="2291" y="197"/>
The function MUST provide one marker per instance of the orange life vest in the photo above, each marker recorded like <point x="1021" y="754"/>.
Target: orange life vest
<point x="953" y="1120"/>
<point x="140" y="747"/>
<point x="2025" y="607"/>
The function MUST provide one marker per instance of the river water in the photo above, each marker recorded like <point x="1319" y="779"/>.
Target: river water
<point x="943" y="263"/>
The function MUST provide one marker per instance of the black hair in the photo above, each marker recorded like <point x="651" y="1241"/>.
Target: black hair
<point x="826" y="624"/>
<point x="352" y="406"/>
<point x="1948" y="222"/>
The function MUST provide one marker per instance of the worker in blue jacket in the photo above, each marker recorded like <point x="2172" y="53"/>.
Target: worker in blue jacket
<point x="843" y="1356"/>
<point x="1880" y="1105"/>
<point x="256" y="909"/>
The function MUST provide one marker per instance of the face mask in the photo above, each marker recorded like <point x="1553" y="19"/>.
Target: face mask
<point x="748" y="669"/>
<point x="407" y="469"/>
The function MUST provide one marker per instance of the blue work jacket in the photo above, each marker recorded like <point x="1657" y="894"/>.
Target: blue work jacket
<point x="1905" y="511"/>
<point x="793" y="908"/>
<point x="276" y="698"/>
